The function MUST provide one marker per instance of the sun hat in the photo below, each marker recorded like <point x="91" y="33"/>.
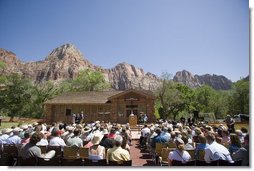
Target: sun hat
<point x="97" y="138"/>
<point x="179" y="140"/>
<point x="87" y="129"/>
<point x="24" y="127"/>
<point x="17" y="129"/>
<point x="8" y="130"/>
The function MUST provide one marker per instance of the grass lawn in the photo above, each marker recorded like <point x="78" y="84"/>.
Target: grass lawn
<point x="17" y="121"/>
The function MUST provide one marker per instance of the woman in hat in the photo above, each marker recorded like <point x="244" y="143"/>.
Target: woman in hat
<point x="96" y="151"/>
<point x="179" y="154"/>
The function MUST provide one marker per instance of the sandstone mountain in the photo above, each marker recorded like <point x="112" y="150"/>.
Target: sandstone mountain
<point x="66" y="61"/>
<point x="218" y="82"/>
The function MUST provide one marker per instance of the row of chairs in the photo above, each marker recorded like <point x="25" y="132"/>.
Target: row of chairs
<point x="13" y="150"/>
<point x="163" y="160"/>
<point x="203" y="163"/>
<point x="70" y="162"/>
<point x="9" y="156"/>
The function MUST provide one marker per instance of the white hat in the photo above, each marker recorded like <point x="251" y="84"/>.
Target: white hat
<point x="17" y="129"/>
<point x="35" y="124"/>
<point x="87" y="129"/>
<point x="118" y="138"/>
<point x="179" y="140"/>
<point x="24" y="127"/>
<point x="7" y="131"/>
<point x="70" y="128"/>
<point x="97" y="138"/>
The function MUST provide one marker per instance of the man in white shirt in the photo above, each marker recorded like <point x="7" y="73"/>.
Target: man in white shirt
<point x="5" y="135"/>
<point x="56" y="140"/>
<point x="215" y="151"/>
<point x="14" y="139"/>
<point x="145" y="133"/>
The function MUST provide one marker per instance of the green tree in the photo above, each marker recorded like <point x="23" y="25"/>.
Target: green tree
<point x="203" y="95"/>
<point x="40" y="94"/>
<point x="239" y="97"/>
<point x="87" y="80"/>
<point x="16" y="95"/>
<point x="173" y="97"/>
<point x="2" y="77"/>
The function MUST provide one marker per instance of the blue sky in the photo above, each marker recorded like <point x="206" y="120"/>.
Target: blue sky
<point x="201" y="36"/>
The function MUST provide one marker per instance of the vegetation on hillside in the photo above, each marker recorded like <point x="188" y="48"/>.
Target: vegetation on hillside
<point x="21" y="98"/>
<point x="175" y="99"/>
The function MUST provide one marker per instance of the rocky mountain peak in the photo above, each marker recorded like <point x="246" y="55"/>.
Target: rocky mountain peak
<point x="186" y="78"/>
<point x="64" y="52"/>
<point x="124" y="76"/>
<point x="66" y="61"/>
<point x="11" y="60"/>
<point x="218" y="82"/>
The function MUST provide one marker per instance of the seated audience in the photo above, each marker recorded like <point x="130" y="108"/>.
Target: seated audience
<point x="14" y="139"/>
<point x="117" y="153"/>
<point x="235" y="143"/>
<point x="75" y="140"/>
<point x="96" y="151"/>
<point x="215" y="151"/>
<point x="179" y="154"/>
<point x="200" y="146"/>
<point x="243" y="152"/>
<point x="56" y="140"/>
<point x="30" y="149"/>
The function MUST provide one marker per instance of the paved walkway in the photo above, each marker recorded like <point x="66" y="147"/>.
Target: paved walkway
<point x="140" y="157"/>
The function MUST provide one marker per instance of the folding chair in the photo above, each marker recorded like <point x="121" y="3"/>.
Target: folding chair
<point x="32" y="161"/>
<point x="89" y="162"/>
<point x="58" y="150"/>
<point x="43" y="148"/>
<point x="83" y="152"/>
<point x="71" y="162"/>
<point x="120" y="163"/>
<point x="48" y="162"/>
<point x="180" y="163"/>
<point x="9" y="155"/>
<point x="204" y="163"/>
<point x="227" y="163"/>
<point x="163" y="160"/>
<point x="192" y="153"/>
<point x="157" y="154"/>
<point x="70" y="152"/>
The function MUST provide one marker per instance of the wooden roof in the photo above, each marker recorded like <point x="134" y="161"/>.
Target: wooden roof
<point x="87" y="97"/>
<point x="94" y="97"/>
<point x="145" y="93"/>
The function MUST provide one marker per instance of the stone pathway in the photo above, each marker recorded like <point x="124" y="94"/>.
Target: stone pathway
<point x="140" y="157"/>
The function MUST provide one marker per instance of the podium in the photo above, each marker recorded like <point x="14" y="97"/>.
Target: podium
<point x="133" y="120"/>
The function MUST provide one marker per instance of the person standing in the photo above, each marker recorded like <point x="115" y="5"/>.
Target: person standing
<point x="191" y="121"/>
<point x="230" y="123"/>
<point x="145" y="119"/>
<point x="73" y="118"/>
<point x="1" y="120"/>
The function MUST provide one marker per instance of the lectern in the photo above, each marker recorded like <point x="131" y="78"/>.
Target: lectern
<point x="133" y="120"/>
